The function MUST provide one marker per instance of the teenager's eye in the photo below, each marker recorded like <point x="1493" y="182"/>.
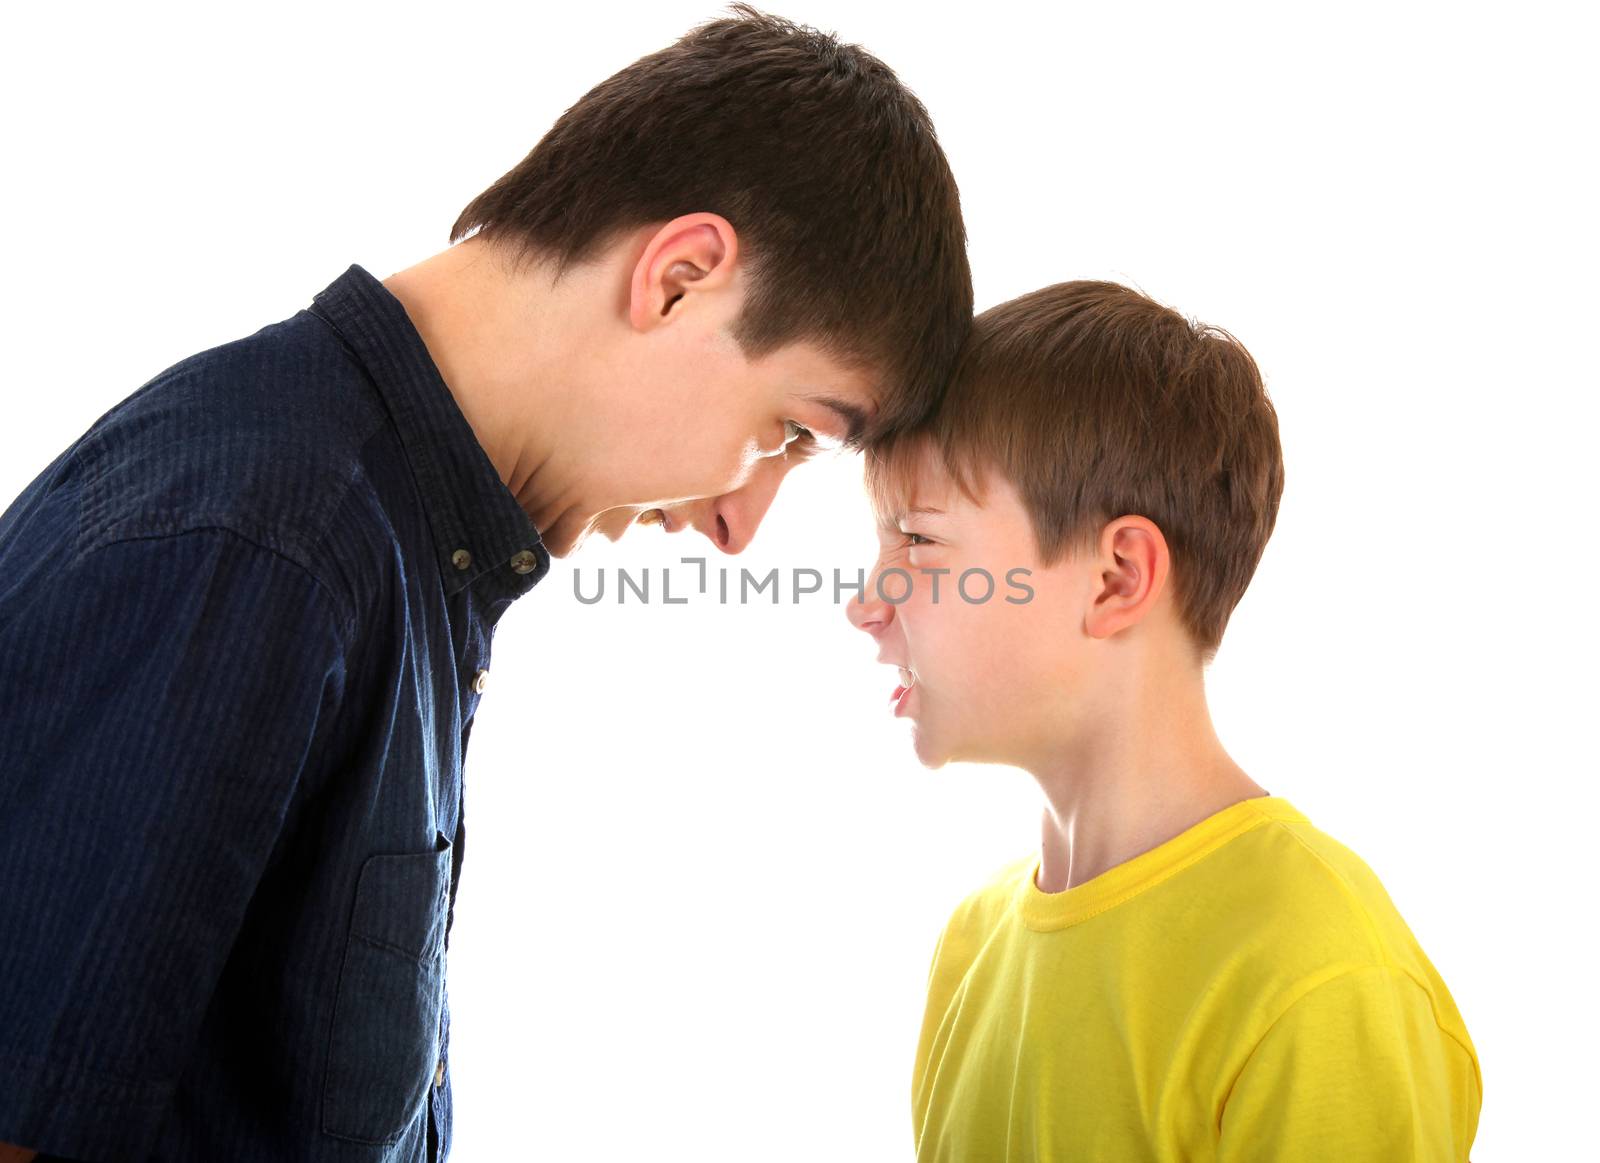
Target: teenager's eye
<point x="793" y="432"/>
<point x="917" y="538"/>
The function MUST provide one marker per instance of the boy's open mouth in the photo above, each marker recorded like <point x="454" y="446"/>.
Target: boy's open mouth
<point x="908" y="679"/>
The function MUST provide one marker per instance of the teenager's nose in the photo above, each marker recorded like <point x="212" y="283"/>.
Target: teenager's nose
<point x="733" y="518"/>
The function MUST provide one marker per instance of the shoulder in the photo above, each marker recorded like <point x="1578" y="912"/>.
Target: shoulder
<point x="1310" y="882"/>
<point x="1315" y="911"/>
<point x="983" y="907"/>
<point x="974" y="920"/>
<point x="260" y="436"/>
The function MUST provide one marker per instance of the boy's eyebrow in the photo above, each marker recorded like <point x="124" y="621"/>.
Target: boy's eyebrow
<point x="891" y="521"/>
<point x="855" y="418"/>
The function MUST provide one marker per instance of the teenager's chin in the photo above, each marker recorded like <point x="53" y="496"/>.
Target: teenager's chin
<point x="559" y="542"/>
<point x="613" y="523"/>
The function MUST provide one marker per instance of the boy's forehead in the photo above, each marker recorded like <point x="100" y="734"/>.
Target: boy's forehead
<point x="912" y="480"/>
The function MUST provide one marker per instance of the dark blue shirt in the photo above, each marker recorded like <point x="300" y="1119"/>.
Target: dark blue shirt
<point x="245" y="623"/>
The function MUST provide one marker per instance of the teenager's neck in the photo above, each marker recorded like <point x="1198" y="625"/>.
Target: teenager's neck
<point x="501" y="342"/>
<point x="1150" y="772"/>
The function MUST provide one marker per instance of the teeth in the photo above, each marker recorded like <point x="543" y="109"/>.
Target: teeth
<point x="650" y="517"/>
<point x="907" y="679"/>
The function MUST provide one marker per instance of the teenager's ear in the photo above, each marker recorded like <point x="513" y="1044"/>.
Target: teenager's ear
<point x="694" y="252"/>
<point x="1133" y="565"/>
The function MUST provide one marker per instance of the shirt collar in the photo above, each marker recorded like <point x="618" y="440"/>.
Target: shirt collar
<point x="481" y="535"/>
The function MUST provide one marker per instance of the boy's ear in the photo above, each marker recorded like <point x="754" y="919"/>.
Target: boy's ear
<point x="1133" y="565"/>
<point x="693" y="252"/>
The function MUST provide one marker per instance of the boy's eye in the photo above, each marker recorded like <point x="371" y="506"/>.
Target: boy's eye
<point x="793" y="432"/>
<point x="916" y="538"/>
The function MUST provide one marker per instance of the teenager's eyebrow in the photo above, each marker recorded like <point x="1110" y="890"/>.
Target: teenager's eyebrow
<point x="855" y="418"/>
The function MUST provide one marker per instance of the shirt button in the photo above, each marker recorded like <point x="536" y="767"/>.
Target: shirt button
<point x="461" y="559"/>
<point x="438" y="1074"/>
<point x="524" y="561"/>
<point x="481" y="682"/>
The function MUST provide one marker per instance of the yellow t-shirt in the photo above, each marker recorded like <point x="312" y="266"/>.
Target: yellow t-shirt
<point x="1244" y="991"/>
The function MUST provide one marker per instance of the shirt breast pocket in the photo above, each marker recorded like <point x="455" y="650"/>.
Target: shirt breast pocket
<point x="384" y="1042"/>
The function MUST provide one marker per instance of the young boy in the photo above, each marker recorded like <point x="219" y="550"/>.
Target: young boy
<point x="1187" y="969"/>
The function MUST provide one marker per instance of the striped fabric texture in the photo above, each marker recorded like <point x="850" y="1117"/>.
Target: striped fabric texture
<point x="241" y="619"/>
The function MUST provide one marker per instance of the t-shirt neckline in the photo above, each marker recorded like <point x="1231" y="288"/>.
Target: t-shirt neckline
<point x="1047" y="911"/>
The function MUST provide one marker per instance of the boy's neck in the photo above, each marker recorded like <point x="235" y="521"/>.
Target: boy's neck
<point x="1155" y="772"/>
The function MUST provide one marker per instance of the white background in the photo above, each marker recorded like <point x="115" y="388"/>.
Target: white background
<point x="706" y="871"/>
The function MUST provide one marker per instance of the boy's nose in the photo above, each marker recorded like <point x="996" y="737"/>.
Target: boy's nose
<point x="870" y="613"/>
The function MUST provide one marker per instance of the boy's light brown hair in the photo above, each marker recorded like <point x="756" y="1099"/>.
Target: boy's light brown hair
<point x="825" y="164"/>
<point x="1094" y="402"/>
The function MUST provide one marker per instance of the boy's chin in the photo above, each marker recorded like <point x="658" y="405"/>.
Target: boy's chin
<point x="935" y="750"/>
<point x="932" y="752"/>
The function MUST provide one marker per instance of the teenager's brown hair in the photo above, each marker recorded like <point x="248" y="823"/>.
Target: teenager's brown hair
<point x="1096" y="402"/>
<point x="822" y="160"/>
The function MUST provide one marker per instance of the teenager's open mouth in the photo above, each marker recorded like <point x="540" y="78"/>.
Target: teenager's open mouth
<point x="908" y="679"/>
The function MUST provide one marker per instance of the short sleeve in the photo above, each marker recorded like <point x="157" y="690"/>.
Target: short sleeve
<point x="158" y="703"/>
<point x="1357" y="1069"/>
